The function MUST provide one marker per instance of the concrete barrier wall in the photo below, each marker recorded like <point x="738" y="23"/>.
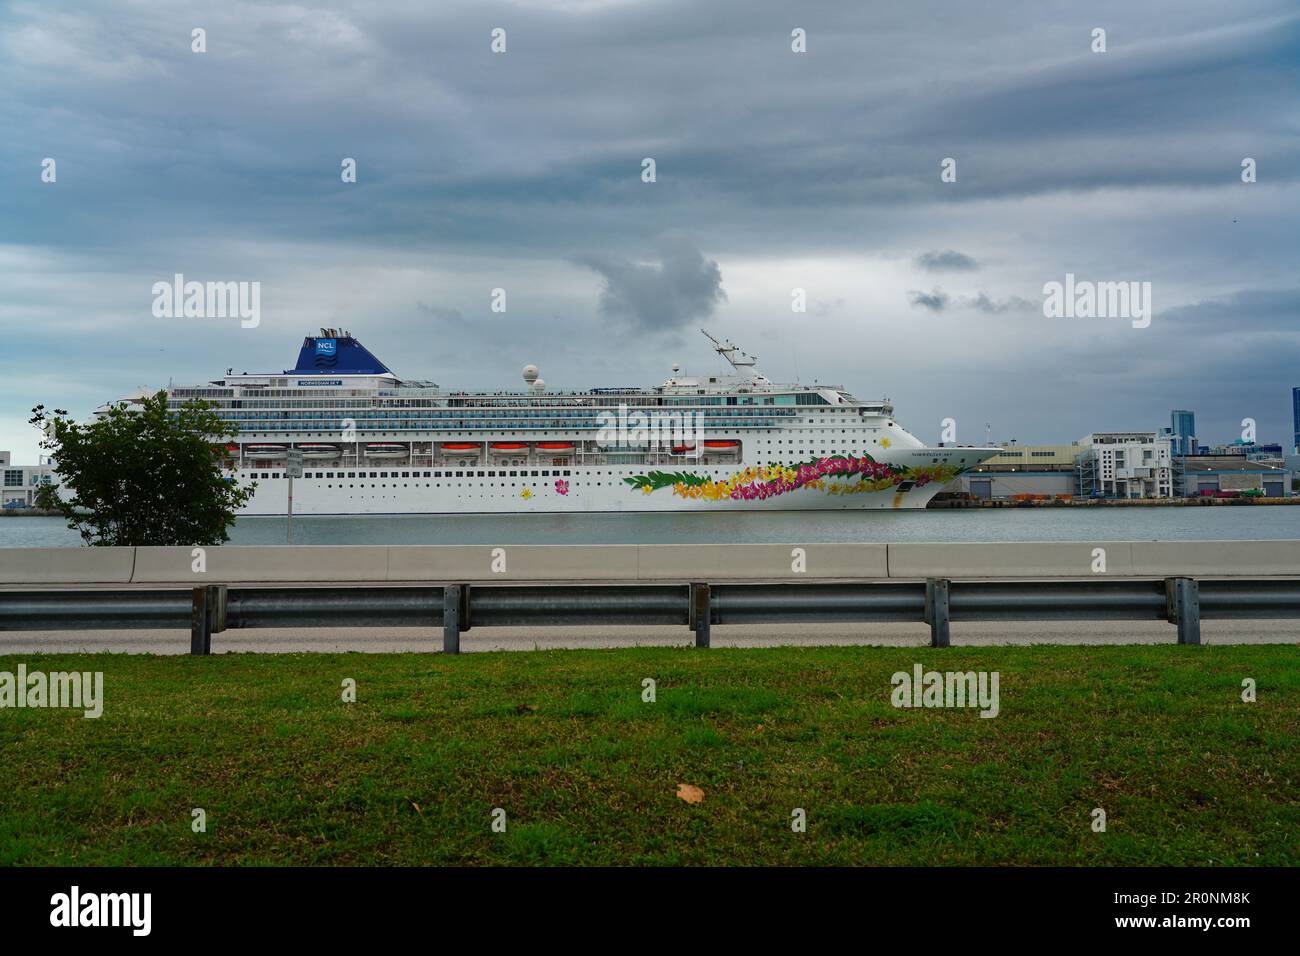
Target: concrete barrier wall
<point x="718" y="562"/>
<point x="657" y="562"/>
<point x="516" y="562"/>
<point x="1008" y="560"/>
<point x="66" y="565"/>
<point x="1071" y="559"/>
<point x="254" y="565"/>
<point x="1215" y="558"/>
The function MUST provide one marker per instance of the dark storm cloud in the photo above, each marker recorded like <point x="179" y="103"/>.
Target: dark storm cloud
<point x="681" y="287"/>
<point x="939" y="301"/>
<point x="1249" y="312"/>
<point x="500" y="150"/>
<point x="983" y="303"/>
<point x="947" y="261"/>
<point x="935" y="301"/>
<point x="478" y="171"/>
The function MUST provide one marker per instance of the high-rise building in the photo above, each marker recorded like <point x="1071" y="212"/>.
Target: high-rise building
<point x="1295" y="416"/>
<point x="1183" y="428"/>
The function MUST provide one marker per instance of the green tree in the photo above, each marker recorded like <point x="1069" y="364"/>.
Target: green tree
<point x="145" y="475"/>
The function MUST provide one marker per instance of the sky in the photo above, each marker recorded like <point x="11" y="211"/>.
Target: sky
<point x="774" y="171"/>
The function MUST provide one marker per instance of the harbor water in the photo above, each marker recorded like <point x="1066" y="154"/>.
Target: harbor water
<point x="974" y="524"/>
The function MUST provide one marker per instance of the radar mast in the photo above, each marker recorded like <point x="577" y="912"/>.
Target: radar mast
<point x="731" y="353"/>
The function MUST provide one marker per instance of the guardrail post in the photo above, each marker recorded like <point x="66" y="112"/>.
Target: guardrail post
<point x="217" y="595"/>
<point x="1183" y="607"/>
<point x="936" y="610"/>
<point x="698" y="617"/>
<point x="201" y="616"/>
<point x="451" y="603"/>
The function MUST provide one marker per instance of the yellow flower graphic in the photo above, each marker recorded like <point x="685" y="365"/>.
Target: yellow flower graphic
<point x="884" y="443"/>
<point x="526" y="493"/>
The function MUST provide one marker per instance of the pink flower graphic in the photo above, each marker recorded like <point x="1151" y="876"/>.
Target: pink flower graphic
<point x="561" y="486"/>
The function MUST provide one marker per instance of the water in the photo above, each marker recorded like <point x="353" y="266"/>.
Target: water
<point x="973" y="524"/>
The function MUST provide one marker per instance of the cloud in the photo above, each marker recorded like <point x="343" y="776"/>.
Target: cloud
<point x="935" y="301"/>
<point x="682" y="286"/>
<point x="1243" y="313"/>
<point x="946" y="261"/>
<point x="983" y="303"/>
<point x="817" y="171"/>
<point x="441" y="313"/>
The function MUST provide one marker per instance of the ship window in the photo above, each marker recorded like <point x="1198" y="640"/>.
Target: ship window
<point x="406" y="474"/>
<point x="384" y="474"/>
<point x="534" y="474"/>
<point x="329" y="475"/>
<point x="374" y="474"/>
<point x="490" y="474"/>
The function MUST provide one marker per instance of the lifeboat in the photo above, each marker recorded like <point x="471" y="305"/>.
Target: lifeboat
<point x="460" y="447"/>
<point x="722" y="444"/>
<point x="683" y="449"/>
<point x="555" y="446"/>
<point x="264" y="451"/>
<point x="386" y="449"/>
<point x="318" y="450"/>
<point x="508" y="447"/>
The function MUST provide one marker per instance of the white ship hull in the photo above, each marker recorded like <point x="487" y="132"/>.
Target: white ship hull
<point x="425" y="490"/>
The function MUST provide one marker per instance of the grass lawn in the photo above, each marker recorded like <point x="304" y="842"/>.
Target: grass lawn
<point x="588" y="773"/>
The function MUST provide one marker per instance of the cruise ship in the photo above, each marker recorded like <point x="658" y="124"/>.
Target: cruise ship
<point x="373" y="443"/>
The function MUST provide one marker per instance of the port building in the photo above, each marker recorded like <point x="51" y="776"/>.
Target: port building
<point x="1023" y="471"/>
<point x="18" y="483"/>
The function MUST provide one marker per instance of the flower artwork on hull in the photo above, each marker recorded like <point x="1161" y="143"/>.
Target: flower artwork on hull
<point x="832" y="475"/>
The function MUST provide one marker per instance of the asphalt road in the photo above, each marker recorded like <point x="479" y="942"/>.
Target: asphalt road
<point x="386" y="640"/>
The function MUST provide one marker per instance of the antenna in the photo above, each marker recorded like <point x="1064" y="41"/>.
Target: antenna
<point x="729" y="351"/>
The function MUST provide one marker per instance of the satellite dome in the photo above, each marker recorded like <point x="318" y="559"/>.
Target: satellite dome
<point x="530" y="374"/>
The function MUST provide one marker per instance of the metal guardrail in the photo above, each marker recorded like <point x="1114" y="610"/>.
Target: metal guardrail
<point x="214" y="608"/>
